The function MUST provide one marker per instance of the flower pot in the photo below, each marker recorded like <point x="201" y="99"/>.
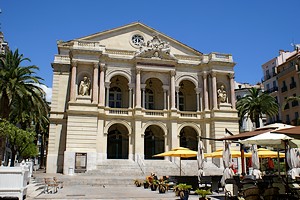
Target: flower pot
<point x="162" y="189"/>
<point x="184" y="195"/>
<point x="146" y="185"/>
<point x="153" y="187"/>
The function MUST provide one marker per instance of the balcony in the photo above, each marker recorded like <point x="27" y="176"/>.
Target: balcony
<point x="273" y="89"/>
<point x="284" y="89"/>
<point x="163" y="114"/>
<point x="292" y="85"/>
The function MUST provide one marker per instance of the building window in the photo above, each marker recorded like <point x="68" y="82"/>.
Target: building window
<point x="149" y="99"/>
<point x="268" y="75"/>
<point x="287" y="117"/>
<point x="115" y="97"/>
<point x="293" y="83"/>
<point x="295" y="102"/>
<point x="137" y="40"/>
<point x="284" y="87"/>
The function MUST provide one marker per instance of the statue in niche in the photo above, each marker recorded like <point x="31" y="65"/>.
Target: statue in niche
<point x="84" y="87"/>
<point x="222" y="95"/>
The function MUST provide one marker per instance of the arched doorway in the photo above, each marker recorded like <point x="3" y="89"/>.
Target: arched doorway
<point x="154" y="142"/>
<point x="189" y="139"/>
<point x="117" y="142"/>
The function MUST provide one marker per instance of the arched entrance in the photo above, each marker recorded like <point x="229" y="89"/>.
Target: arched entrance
<point x="154" y="142"/>
<point x="117" y="142"/>
<point x="188" y="139"/>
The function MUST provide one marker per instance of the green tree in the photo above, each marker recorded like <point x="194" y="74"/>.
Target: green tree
<point x="255" y="104"/>
<point x="20" y="141"/>
<point x="21" y="99"/>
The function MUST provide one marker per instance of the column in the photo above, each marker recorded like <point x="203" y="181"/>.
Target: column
<point x="165" y="88"/>
<point x="130" y="98"/>
<point x="95" y="83"/>
<point x="73" y="81"/>
<point x="214" y="89"/>
<point x="177" y="98"/>
<point x="107" y="86"/>
<point x="144" y="97"/>
<point x="102" y="87"/>
<point x="197" y="90"/>
<point x="172" y="89"/>
<point x="138" y="89"/>
<point x="232" y="93"/>
<point x="205" y="93"/>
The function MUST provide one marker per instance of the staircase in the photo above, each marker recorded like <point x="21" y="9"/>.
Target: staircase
<point x="124" y="172"/>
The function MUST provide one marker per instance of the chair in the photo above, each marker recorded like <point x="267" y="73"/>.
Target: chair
<point x="50" y="186"/>
<point x="271" y="193"/>
<point x="251" y="194"/>
<point x="58" y="182"/>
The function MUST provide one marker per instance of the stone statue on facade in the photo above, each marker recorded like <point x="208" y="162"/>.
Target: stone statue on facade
<point x="222" y="95"/>
<point x="84" y="87"/>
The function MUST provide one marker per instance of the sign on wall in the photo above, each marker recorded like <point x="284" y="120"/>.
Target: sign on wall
<point x="80" y="162"/>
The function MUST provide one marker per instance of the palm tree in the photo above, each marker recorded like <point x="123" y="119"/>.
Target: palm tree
<point x="21" y="99"/>
<point x="255" y="104"/>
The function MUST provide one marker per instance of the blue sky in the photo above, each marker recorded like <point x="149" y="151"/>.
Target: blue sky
<point x="252" y="31"/>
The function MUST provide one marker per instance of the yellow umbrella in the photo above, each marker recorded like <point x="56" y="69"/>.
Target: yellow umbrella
<point x="219" y="153"/>
<point x="180" y="152"/>
<point x="266" y="153"/>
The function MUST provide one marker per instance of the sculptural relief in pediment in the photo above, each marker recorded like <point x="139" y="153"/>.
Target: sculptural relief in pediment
<point x="155" y="48"/>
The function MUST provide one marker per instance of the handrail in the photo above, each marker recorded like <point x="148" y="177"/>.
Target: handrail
<point x="141" y="164"/>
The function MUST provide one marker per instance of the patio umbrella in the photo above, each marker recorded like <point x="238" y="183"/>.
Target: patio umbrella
<point x="200" y="160"/>
<point x="266" y="153"/>
<point x="227" y="162"/>
<point x="180" y="152"/>
<point x="219" y="154"/>
<point x="255" y="162"/>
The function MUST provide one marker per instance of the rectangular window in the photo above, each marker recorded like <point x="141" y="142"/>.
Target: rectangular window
<point x="287" y="118"/>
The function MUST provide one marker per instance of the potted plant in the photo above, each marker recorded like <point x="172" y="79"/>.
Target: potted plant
<point x="137" y="183"/>
<point x="146" y="184"/>
<point x="183" y="191"/>
<point x="153" y="185"/>
<point x="202" y="193"/>
<point x="162" y="186"/>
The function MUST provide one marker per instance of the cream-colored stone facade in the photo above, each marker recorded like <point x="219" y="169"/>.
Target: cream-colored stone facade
<point x="145" y="93"/>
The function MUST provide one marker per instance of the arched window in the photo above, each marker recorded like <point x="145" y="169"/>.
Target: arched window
<point x="115" y="97"/>
<point x="149" y="99"/>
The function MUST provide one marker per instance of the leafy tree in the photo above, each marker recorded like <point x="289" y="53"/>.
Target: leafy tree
<point x="20" y="141"/>
<point x="255" y="104"/>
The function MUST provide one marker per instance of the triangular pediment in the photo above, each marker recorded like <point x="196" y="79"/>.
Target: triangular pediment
<point x="123" y="38"/>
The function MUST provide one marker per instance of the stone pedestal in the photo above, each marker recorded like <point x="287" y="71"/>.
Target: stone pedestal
<point x="225" y="106"/>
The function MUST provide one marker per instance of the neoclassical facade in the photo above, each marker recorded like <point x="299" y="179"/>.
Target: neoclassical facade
<point x="133" y="92"/>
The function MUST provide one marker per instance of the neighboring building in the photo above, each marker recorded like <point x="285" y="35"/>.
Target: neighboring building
<point x="289" y="85"/>
<point x="273" y="85"/>
<point x="132" y="92"/>
<point x="270" y="80"/>
<point x="241" y="90"/>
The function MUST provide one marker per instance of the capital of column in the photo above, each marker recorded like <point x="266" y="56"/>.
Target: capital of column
<point x="107" y="84"/>
<point x="96" y="65"/>
<point x="173" y="73"/>
<point x="74" y="63"/>
<point x="165" y="88"/>
<point x="177" y="89"/>
<point x="231" y="75"/>
<point x="102" y="66"/>
<point x="213" y="73"/>
<point x="198" y="90"/>
<point x="138" y="70"/>
<point x="143" y="86"/>
<point x="204" y="74"/>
